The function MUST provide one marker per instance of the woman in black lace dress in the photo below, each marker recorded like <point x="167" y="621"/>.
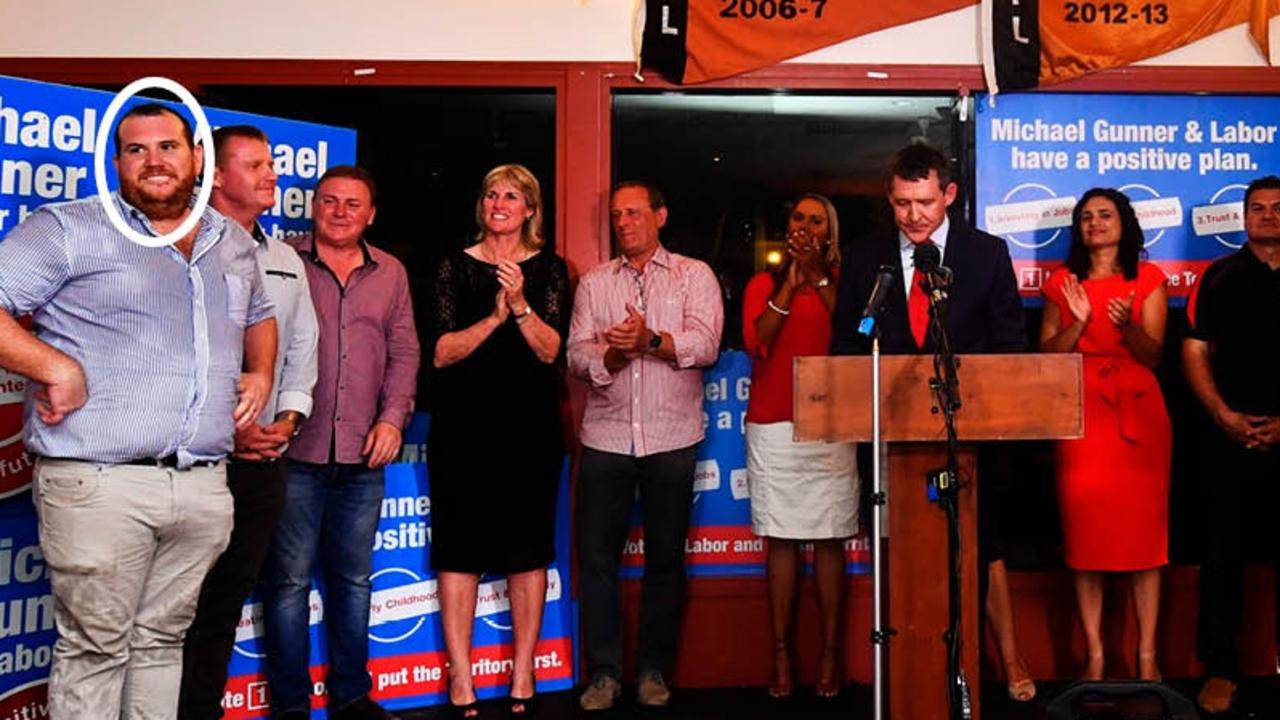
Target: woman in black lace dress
<point x="495" y="447"/>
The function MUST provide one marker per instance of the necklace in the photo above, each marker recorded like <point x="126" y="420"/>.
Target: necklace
<point x="488" y="255"/>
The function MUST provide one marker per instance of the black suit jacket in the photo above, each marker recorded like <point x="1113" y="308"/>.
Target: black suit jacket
<point x="984" y="313"/>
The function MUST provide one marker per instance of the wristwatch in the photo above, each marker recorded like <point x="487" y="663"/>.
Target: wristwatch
<point x="655" y="342"/>
<point x="822" y="283"/>
<point x="294" y="417"/>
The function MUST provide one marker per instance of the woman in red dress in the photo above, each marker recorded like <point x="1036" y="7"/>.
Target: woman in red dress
<point x="1113" y="484"/>
<point x="800" y="492"/>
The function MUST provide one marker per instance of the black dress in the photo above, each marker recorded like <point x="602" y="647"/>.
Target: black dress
<point x="495" y="447"/>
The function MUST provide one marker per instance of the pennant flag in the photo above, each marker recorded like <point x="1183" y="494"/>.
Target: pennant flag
<point x="1034" y="43"/>
<point x="1260" y="14"/>
<point x="693" y="41"/>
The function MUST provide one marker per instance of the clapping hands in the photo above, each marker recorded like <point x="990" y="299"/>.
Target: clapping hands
<point x="807" y="263"/>
<point x="631" y="336"/>
<point x="1120" y="310"/>
<point x="1077" y="299"/>
<point x="511" y="278"/>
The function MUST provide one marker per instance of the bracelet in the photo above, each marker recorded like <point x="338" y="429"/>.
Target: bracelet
<point x="780" y="311"/>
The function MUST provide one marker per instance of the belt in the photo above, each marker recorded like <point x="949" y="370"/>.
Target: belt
<point x="168" y="461"/>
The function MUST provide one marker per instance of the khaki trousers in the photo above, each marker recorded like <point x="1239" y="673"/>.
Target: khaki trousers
<point x="127" y="549"/>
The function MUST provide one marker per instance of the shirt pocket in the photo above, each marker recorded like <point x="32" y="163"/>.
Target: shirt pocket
<point x="238" y="295"/>
<point x="282" y="288"/>
<point x="666" y="313"/>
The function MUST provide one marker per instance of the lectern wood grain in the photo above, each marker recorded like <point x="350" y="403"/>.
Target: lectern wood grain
<point x="1003" y="397"/>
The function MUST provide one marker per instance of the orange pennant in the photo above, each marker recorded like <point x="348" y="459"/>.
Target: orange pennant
<point x="1034" y="44"/>
<point x="1081" y="37"/>
<point x="693" y="41"/>
<point x="1260" y="14"/>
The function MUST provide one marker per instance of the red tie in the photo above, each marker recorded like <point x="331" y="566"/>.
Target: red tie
<point x="918" y="309"/>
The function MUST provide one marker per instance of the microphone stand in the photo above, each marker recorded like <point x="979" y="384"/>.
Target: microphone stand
<point x="946" y="389"/>
<point x="879" y="635"/>
<point x="869" y="327"/>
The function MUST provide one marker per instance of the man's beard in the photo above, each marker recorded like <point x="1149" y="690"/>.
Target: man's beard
<point x="169" y="207"/>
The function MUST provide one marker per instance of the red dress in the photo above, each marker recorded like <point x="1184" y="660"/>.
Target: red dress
<point x="1113" y="484"/>
<point x="806" y="331"/>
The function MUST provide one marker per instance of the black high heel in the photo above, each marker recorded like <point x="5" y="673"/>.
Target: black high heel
<point x="466" y="711"/>
<point x="526" y="707"/>
<point x="469" y="711"/>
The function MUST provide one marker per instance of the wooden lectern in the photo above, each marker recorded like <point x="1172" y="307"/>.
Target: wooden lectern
<point x="1003" y="397"/>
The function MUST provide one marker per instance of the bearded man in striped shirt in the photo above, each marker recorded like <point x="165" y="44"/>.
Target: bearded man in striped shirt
<point x="137" y="388"/>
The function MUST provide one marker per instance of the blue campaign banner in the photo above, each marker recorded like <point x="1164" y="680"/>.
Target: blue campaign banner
<point x="1183" y="160"/>
<point x="406" y="643"/>
<point x="47" y="136"/>
<point x="48" y="132"/>
<point x="720" y="541"/>
<point x="26" y="615"/>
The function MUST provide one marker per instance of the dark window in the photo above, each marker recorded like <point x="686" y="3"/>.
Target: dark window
<point x="730" y="165"/>
<point x="428" y="150"/>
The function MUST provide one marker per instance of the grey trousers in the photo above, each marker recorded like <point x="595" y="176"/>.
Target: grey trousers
<point x="127" y="548"/>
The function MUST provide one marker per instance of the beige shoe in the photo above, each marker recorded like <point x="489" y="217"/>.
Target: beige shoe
<point x="652" y="690"/>
<point x="1216" y="695"/>
<point x="600" y="694"/>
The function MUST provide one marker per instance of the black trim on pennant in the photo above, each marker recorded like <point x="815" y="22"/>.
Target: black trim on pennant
<point x="666" y="25"/>
<point x="1015" y="30"/>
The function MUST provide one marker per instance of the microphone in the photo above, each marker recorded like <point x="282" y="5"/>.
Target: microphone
<point x="885" y="275"/>
<point x="928" y="259"/>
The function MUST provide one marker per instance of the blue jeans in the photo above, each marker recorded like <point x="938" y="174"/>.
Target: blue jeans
<point x="330" y="514"/>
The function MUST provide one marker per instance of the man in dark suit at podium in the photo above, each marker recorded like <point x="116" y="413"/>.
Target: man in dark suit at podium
<point x="984" y="315"/>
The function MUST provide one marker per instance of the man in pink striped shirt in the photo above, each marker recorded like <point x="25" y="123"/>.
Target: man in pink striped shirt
<point x="643" y="325"/>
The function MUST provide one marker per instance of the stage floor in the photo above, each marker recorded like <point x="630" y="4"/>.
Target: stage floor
<point x="1258" y="698"/>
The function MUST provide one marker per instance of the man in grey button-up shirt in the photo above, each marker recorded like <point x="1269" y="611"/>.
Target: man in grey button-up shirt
<point x="143" y="363"/>
<point x="244" y="185"/>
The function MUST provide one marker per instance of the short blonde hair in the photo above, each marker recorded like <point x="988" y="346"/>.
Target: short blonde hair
<point x="518" y="175"/>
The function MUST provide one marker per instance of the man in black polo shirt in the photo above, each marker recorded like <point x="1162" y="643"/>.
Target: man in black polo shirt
<point x="1229" y="359"/>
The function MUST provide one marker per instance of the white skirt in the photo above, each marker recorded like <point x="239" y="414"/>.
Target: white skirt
<point x="800" y="490"/>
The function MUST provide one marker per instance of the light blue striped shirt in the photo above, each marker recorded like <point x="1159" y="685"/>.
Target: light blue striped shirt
<point x="160" y="338"/>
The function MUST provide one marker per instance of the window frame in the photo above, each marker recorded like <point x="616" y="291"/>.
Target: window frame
<point x="584" y="93"/>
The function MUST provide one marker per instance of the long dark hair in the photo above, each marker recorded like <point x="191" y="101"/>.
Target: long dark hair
<point x="1130" y="249"/>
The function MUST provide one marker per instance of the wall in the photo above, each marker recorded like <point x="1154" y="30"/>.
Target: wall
<point x="520" y="30"/>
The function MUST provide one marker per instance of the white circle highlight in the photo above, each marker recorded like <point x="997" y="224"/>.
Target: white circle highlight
<point x="100" y="170"/>
<point x="1125" y="189"/>
<point x="1031" y="245"/>
<point x="1224" y="188"/>
<point x="1233" y="186"/>
<point x="421" y="618"/>
<point x="495" y="624"/>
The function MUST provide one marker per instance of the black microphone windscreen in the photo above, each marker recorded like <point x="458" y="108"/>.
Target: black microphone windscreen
<point x="885" y="276"/>
<point x="927" y="255"/>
